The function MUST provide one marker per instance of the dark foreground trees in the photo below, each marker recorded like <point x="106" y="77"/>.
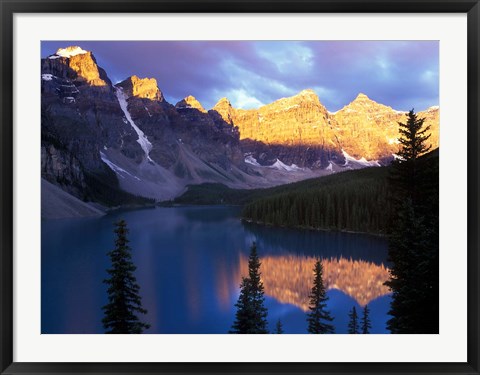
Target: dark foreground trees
<point x="279" y="327"/>
<point x="319" y="317"/>
<point x="413" y="243"/>
<point x="251" y="315"/>
<point x="353" y="327"/>
<point x="365" y="323"/>
<point x="124" y="301"/>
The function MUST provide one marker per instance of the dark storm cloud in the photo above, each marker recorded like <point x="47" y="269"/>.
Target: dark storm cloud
<point x="401" y="74"/>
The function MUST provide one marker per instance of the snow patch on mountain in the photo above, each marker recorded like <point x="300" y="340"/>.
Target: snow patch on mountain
<point x="330" y="167"/>
<point x="142" y="138"/>
<point x="249" y="159"/>
<point x="283" y="167"/>
<point x="397" y="157"/>
<point x="47" y="77"/>
<point x="278" y="165"/>
<point x="68" y="52"/>
<point x="119" y="171"/>
<point x="362" y="161"/>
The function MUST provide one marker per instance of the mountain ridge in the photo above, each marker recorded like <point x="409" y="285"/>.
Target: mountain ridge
<point x="136" y="141"/>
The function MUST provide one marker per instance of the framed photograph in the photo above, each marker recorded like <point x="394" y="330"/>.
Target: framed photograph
<point x="207" y="187"/>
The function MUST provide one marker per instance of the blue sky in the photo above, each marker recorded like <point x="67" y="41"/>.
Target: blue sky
<point x="401" y="74"/>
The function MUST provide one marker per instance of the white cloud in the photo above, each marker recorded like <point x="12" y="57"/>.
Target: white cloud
<point x="241" y="99"/>
<point x="290" y="56"/>
<point x="429" y="76"/>
<point x="325" y="94"/>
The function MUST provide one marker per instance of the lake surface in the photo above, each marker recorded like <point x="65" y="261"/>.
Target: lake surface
<point x="190" y="261"/>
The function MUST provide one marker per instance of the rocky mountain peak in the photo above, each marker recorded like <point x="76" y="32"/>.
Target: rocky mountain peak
<point x="144" y="88"/>
<point x="222" y="103"/>
<point x="224" y="109"/>
<point x="362" y="97"/>
<point x="307" y="95"/>
<point x="69" y="52"/>
<point x="363" y="104"/>
<point x="74" y="63"/>
<point x="306" y="100"/>
<point x="190" y="102"/>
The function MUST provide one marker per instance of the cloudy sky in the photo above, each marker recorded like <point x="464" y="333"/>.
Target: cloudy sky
<point x="401" y="74"/>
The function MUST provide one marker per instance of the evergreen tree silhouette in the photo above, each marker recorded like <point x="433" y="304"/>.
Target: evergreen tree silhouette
<point x="318" y="318"/>
<point x="353" y="327"/>
<point x="413" y="240"/>
<point x="365" y="323"/>
<point x="251" y="314"/>
<point x="124" y="301"/>
<point x="279" y="327"/>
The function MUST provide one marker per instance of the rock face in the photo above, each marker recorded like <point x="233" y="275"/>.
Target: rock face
<point x="127" y="136"/>
<point x="145" y="88"/>
<point x="61" y="167"/>
<point x="190" y="103"/>
<point x="298" y="120"/>
<point x="296" y="130"/>
<point x="368" y="129"/>
<point x="80" y="117"/>
<point x="300" y="130"/>
<point x="75" y="63"/>
<point x="97" y="136"/>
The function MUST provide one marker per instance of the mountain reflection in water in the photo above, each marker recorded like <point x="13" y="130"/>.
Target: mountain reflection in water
<point x="289" y="278"/>
<point x="190" y="261"/>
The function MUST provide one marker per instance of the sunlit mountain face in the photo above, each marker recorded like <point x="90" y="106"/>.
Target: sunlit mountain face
<point x="289" y="278"/>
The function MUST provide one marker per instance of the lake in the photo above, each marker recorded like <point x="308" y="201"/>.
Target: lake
<point x="190" y="261"/>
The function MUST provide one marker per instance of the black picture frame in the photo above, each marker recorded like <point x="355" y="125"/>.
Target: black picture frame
<point x="9" y="8"/>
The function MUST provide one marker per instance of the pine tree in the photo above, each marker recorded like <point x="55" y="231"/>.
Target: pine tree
<point x="251" y="314"/>
<point x="243" y="316"/>
<point x="365" y="323"/>
<point x="413" y="137"/>
<point x="353" y="327"/>
<point x="279" y="327"/>
<point x="413" y="240"/>
<point x="406" y="176"/>
<point x="124" y="301"/>
<point x="318" y="317"/>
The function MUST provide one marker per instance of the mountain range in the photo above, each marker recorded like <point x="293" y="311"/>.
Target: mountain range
<point x="109" y="144"/>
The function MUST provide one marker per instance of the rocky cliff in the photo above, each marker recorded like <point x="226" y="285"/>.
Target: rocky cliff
<point x="365" y="128"/>
<point x="300" y="130"/>
<point x="145" y="88"/>
<point x="96" y="135"/>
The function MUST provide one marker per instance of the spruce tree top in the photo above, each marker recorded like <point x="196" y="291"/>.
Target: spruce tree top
<point x="353" y="327"/>
<point x="413" y="137"/>
<point x="251" y="315"/>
